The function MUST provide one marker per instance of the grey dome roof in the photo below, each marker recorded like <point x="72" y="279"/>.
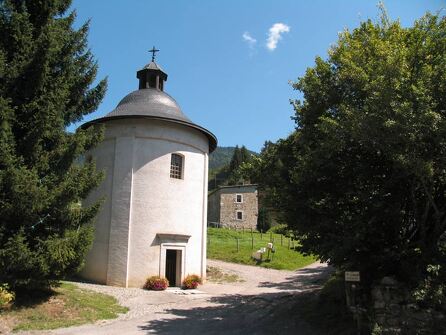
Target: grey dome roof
<point x="154" y="104"/>
<point x="149" y="102"/>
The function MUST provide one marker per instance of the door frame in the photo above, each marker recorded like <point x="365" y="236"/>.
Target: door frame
<point x="181" y="261"/>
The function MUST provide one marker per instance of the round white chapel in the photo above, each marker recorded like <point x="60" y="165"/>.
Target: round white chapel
<point x="154" y="218"/>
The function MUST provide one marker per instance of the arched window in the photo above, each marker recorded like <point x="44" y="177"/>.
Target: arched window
<point x="176" y="166"/>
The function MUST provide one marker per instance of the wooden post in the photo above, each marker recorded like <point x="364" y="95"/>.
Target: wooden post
<point x="281" y="239"/>
<point x="238" y="247"/>
<point x="289" y="243"/>
<point x="261" y="235"/>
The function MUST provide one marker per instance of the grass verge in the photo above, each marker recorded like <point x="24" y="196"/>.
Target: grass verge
<point x="65" y="306"/>
<point x="222" y="245"/>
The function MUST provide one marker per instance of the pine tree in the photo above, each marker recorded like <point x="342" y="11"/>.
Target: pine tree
<point x="240" y="156"/>
<point x="236" y="160"/>
<point x="46" y="73"/>
<point x="244" y="154"/>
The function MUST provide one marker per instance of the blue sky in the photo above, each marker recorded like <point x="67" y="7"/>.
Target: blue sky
<point x="229" y="62"/>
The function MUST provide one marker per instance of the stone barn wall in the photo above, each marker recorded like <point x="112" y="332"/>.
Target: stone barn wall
<point x="223" y="206"/>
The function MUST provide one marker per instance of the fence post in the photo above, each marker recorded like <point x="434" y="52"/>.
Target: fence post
<point x="281" y="239"/>
<point x="289" y="243"/>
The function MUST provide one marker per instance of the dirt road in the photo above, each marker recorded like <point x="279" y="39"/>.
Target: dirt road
<point x="261" y="304"/>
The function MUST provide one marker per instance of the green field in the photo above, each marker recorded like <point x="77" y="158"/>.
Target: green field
<point x="222" y="245"/>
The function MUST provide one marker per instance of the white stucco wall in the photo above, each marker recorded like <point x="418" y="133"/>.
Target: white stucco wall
<point x="143" y="201"/>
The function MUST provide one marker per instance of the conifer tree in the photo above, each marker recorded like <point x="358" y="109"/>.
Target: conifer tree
<point x="244" y="154"/>
<point x="236" y="160"/>
<point x="46" y="76"/>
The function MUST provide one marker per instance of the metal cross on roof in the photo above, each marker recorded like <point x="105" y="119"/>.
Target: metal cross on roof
<point x="153" y="51"/>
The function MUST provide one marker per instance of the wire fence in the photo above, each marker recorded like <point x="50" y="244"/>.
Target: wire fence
<point x="244" y="237"/>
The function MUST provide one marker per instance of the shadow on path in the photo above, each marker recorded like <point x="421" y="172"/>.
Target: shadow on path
<point x="268" y="313"/>
<point x="263" y="313"/>
<point x="304" y="279"/>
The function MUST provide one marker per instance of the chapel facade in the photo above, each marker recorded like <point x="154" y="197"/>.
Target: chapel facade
<point x="153" y="220"/>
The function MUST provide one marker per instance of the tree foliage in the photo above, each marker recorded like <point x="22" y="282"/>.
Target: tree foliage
<point x="240" y="156"/>
<point x="362" y="180"/>
<point x="46" y="73"/>
<point x="220" y="160"/>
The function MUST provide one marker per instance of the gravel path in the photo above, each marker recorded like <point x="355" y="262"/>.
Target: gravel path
<point x="259" y="305"/>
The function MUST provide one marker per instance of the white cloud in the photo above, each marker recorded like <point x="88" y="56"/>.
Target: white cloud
<point x="249" y="39"/>
<point x="274" y="35"/>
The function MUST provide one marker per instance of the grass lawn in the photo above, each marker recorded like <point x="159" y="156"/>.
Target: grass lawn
<point x="66" y="306"/>
<point x="222" y="245"/>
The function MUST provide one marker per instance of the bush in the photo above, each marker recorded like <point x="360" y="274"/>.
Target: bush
<point x="6" y="296"/>
<point x="191" y="282"/>
<point x="156" y="283"/>
<point x="281" y="229"/>
<point x="431" y="292"/>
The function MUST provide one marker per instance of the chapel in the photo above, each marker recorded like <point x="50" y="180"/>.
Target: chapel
<point x="154" y="216"/>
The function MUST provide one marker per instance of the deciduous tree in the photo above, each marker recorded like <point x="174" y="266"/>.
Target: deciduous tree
<point x="362" y="180"/>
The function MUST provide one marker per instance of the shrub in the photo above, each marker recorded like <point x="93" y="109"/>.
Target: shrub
<point x="6" y="296"/>
<point x="281" y="229"/>
<point x="156" y="283"/>
<point x="191" y="282"/>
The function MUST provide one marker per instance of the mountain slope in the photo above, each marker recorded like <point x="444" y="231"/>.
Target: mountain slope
<point x="221" y="157"/>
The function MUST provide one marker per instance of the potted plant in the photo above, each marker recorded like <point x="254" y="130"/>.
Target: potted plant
<point x="156" y="283"/>
<point x="191" y="282"/>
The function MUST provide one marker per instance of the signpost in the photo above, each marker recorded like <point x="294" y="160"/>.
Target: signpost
<point x="352" y="276"/>
<point x="352" y="279"/>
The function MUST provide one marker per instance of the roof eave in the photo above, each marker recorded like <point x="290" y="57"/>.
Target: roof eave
<point x="211" y="137"/>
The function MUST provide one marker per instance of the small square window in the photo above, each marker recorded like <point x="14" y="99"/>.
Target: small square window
<point x="238" y="198"/>
<point x="239" y="215"/>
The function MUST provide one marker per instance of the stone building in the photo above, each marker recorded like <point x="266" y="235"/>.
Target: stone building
<point x="233" y="206"/>
<point x="153" y="221"/>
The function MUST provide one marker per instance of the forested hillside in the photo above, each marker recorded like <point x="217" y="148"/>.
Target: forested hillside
<point x="221" y="157"/>
<point x="223" y="164"/>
